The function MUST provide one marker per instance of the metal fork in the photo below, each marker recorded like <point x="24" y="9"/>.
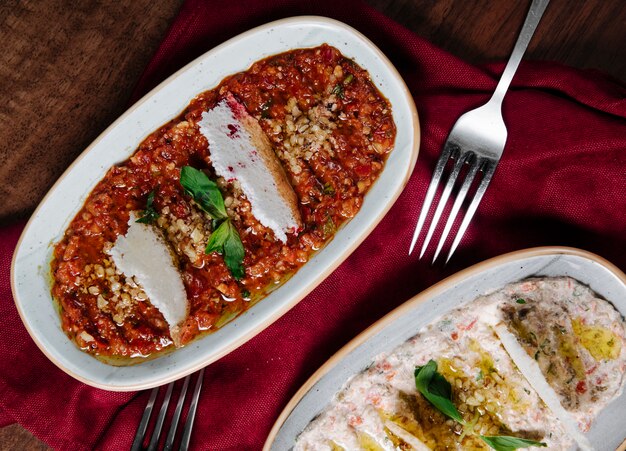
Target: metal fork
<point x="140" y="436"/>
<point x="477" y="139"/>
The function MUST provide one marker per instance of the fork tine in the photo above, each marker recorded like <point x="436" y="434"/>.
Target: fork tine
<point x="169" y="441"/>
<point x="430" y="194"/>
<point x="474" y="166"/>
<point x="184" y="444"/>
<point x="458" y="165"/>
<point x="154" y="440"/>
<point x="145" y="419"/>
<point x="488" y="170"/>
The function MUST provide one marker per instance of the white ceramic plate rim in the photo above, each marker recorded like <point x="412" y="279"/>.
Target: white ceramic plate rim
<point x="387" y="332"/>
<point x="29" y="268"/>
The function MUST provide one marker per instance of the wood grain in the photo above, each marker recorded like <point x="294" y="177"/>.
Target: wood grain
<point x="15" y="437"/>
<point x="68" y="73"/>
<point x="580" y="33"/>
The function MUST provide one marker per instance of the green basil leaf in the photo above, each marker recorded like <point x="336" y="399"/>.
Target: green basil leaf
<point x="521" y="301"/>
<point x="146" y="219"/>
<point x="234" y="252"/>
<point x="227" y="242"/>
<point x="436" y="389"/>
<point x="150" y="201"/>
<point x="217" y="239"/>
<point x="204" y="191"/>
<point x="149" y="215"/>
<point x="440" y="386"/>
<point x="224" y="238"/>
<point x="506" y="443"/>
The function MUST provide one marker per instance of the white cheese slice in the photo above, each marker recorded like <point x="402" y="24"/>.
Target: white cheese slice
<point x="143" y="254"/>
<point x="531" y="371"/>
<point x="241" y="151"/>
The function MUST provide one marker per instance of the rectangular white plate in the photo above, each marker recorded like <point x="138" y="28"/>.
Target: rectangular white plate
<point x="607" y="432"/>
<point x="29" y="275"/>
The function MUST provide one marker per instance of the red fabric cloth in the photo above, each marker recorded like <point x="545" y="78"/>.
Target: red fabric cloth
<point x="562" y="181"/>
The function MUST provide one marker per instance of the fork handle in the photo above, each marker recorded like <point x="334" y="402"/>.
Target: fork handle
<point x="530" y="25"/>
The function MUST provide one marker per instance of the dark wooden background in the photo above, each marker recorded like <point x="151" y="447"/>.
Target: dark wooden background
<point x="67" y="73"/>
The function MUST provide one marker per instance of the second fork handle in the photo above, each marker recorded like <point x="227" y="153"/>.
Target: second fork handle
<point x="530" y="25"/>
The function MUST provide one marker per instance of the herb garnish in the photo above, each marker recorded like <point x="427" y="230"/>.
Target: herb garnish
<point x="438" y="391"/>
<point x="149" y="215"/>
<point x="204" y="191"/>
<point x="521" y="301"/>
<point x="226" y="241"/>
<point x="338" y="89"/>
<point x="328" y="189"/>
<point x="434" y="387"/>
<point x="224" y="238"/>
<point x="329" y="227"/>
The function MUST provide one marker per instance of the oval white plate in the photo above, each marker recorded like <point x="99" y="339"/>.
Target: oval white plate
<point x="29" y="279"/>
<point x="607" y="432"/>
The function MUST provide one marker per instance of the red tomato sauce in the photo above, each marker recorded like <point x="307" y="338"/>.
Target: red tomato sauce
<point x="332" y="131"/>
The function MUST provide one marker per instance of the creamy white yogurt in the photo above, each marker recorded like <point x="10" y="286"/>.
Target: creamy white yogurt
<point x="487" y="386"/>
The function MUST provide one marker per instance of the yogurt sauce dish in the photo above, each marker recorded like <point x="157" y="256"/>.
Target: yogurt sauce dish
<point x="524" y="350"/>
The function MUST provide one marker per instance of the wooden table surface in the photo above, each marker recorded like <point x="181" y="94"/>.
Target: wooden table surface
<point x="68" y="73"/>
